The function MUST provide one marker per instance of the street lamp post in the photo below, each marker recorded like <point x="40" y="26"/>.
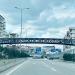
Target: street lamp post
<point x="21" y="9"/>
<point x="21" y="24"/>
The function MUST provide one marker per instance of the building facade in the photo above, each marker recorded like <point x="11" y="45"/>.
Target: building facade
<point x="70" y="35"/>
<point x="2" y="26"/>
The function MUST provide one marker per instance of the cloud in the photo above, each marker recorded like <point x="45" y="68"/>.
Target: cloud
<point x="63" y="12"/>
<point x="45" y="24"/>
<point x="56" y="16"/>
<point x="36" y="2"/>
<point x="55" y="32"/>
<point x="60" y="13"/>
<point x="28" y="29"/>
<point x="32" y="29"/>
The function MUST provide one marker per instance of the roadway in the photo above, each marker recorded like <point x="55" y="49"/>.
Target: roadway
<point x="42" y="67"/>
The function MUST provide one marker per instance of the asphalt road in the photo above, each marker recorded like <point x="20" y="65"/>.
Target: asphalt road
<point x="42" y="67"/>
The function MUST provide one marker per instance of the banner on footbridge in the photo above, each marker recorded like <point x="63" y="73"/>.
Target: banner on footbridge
<point x="37" y="41"/>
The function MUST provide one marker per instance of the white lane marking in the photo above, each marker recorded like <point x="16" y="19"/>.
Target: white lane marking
<point x="52" y="68"/>
<point x="45" y="64"/>
<point x="15" y="68"/>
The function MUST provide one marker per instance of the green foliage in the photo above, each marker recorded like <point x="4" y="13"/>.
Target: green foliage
<point x="12" y="53"/>
<point x="69" y="57"/>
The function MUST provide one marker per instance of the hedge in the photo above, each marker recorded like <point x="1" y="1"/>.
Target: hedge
<point x="69" y="57"/>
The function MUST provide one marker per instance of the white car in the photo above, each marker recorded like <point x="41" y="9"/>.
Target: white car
<point x="36" y="56"/>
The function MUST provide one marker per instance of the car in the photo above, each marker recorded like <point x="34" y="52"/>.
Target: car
<point x="36" y="56"/>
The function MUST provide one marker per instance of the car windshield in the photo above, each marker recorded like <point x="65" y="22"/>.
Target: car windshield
<point x="37" y="37"/>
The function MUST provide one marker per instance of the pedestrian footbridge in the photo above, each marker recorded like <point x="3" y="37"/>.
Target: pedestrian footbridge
<point x="37" y="41"/>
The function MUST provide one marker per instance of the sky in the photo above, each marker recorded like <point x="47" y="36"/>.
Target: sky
<point x="44" y="19"/>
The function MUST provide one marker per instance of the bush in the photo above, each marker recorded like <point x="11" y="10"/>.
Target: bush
<point x="12" y="53"/>
<point x="69" y="57"/>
